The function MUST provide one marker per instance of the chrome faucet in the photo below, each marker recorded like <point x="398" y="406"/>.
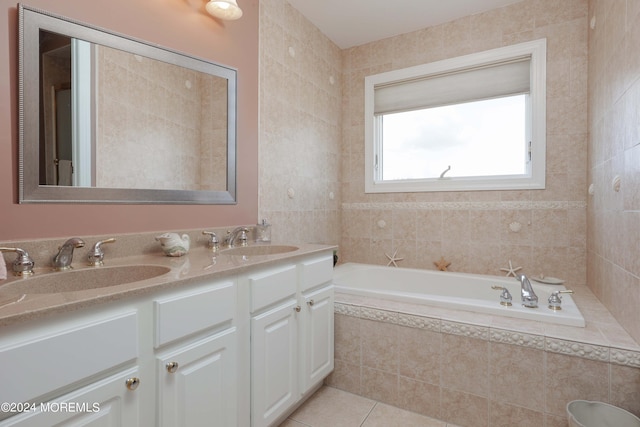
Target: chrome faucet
<point x="529" y="297"/>
<point x="239" y="233"/>
<point x="23" y="264"/>
<point x="96" y="255"/>
<point x="62" y="260"/>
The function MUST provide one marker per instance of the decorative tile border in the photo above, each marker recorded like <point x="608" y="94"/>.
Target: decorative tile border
<point x="539" y="342"/>
<point x="517" y="338"/>
<point x="346" y="309"/>
<point x="465" y="330"/>
<point x="419" y="322"/>
<point x="456" y="206"/>
<point x="571" y="348"/>
<point x="625" y="357"/>
<point x="379" y="315"/>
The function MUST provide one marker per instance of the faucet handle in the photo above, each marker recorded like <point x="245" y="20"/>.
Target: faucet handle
<point x="213" y="243"/>
<point x="96" y="255"/>
<point x="555" y="300"/>
<point x="505" y="295"/>
<point x="23" y="264"/>
<point x="243" y="237"/>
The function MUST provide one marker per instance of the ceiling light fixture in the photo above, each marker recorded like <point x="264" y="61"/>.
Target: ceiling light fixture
<point x="224" y="9"/>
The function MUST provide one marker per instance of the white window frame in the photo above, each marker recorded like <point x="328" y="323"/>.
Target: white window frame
<point x="534" y="179"/>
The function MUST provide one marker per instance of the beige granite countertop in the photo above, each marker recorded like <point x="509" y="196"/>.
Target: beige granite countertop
<point x="198" y="265"/>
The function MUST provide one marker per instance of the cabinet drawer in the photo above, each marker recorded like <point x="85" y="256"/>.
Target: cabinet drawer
<point x="186" y="313"/>
<point x="271" y="286"/>
<point x="316" y="272"/>
<point x="49" y="362"/>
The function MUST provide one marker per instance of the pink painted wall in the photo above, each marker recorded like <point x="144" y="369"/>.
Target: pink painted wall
<point x="181" y="25"/>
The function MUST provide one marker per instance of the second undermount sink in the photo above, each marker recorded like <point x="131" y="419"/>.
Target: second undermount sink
<point x="82" y="280"/>
<point x="259" y="250"/>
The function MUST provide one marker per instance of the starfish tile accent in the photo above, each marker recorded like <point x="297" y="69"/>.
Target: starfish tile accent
<point x="511" y="270"/>
<point x="393" y="259"/>
<point x="442" y="264"/>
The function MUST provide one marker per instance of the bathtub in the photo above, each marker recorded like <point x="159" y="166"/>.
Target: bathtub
<point x="460" y="291"/>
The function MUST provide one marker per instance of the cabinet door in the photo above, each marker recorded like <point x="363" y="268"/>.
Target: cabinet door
<point x="201" y="390"/>
<point x="316" y="338"/>
<point x="105" y="403"/>
<point x="273" y="363"/>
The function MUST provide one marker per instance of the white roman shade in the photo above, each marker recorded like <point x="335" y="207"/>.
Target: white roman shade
<point x="471" y="84"/>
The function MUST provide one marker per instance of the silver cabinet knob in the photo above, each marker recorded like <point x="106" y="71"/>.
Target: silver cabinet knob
<point x="310" y="302"/>
<point x="172" y="367"/>
<point x="297" y="308"/>
<point x="132" y="383"/>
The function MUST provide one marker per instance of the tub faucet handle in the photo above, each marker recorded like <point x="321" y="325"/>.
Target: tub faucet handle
<point x="555" y="300"/>
<point x="505" y="295"/>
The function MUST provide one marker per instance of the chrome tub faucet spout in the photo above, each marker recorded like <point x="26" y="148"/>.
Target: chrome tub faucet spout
<point x="529" y="297"/>
<point x="62" y="260"/>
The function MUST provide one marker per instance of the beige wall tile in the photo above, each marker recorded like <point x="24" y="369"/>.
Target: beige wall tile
<point x="346" y="376"/>
<point x="511" y="367"/>
<point x="453" y="229"/>
<point x="569" y="378"/>
<point x="625" y="388"/>
<point x="613" y="86"/>
<point x="464" y="409"/>
<point x="420" y="397"/>
<point x="555" y="421"/>
<point x="379" y="345"/>
<point x="465" y="364"/>
<point x="380" y="386"/>
<point x="502" y="415"/>
<point x="419" y="354"/>
<point x="347" y="339"/>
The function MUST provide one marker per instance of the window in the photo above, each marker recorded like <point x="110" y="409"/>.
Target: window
<point x="475" y="122"/>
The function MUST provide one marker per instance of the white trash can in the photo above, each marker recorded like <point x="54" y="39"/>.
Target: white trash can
<point x="582" y="413"/>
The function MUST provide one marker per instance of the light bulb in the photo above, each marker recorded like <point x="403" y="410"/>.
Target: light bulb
<point x="224" y="9"/>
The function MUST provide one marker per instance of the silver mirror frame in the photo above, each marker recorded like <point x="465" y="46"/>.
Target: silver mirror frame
<point x="30" y="22"/>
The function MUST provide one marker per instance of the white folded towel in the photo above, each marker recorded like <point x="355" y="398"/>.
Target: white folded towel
<point x="3" y="268"/>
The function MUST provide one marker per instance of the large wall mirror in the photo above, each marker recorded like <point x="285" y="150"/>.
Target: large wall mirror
<point x="108" y="119"/>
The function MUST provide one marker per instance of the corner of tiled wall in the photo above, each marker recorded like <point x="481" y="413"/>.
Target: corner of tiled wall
<point x="614" y="151"/>
<point x="300" y="127"/>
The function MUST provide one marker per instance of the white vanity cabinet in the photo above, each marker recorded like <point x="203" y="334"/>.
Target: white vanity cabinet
<point x="107" y="403"/>
<point x="274" y="342"/>
<point x="196" y="361"/>
<point x="87" y="363"/>
<point x="197" y="384"/>
<point x="168" y="359"/>
<point x="240" y="350"/>
<point x="316" y="337"/>
<point x="291" y="335"/>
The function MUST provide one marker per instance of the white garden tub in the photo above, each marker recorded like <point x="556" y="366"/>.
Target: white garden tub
<point x="460" y="291"/>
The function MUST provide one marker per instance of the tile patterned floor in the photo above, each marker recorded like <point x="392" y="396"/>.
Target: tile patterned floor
<point x="330" y="407"/>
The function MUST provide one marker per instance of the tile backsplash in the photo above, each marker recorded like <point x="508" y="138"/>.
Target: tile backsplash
<point x="543" y="231"/>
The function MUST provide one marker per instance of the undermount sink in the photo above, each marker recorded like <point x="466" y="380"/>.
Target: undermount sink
<point x="82" y="280"/>
<point x="259" y="250"/>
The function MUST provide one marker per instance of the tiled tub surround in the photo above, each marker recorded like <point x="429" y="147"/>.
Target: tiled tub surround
<point x="129" y="249"/>
<point x="479" y="370"/>
<point x="471" y="229"/>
